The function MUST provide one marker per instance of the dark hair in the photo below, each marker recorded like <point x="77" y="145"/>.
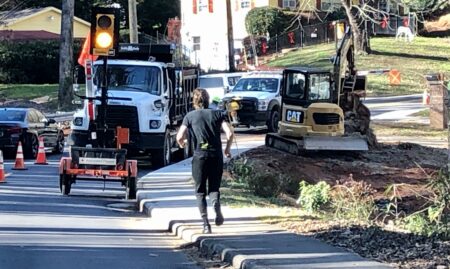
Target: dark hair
<point x="200" y="98"/>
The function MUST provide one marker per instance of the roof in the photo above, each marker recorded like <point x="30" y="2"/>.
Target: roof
<point x="11" y="17"/>
<point x="217" y="75"/>
<point x="27" y="35"/>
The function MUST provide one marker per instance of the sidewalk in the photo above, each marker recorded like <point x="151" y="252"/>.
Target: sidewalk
<point x="167" y="197"/>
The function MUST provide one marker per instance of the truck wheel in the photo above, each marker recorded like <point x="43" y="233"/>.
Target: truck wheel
<point x="272" y="124"/>
<point x="65" y="184"/>
<point x="131" y="188"/>
<point x="162" y="157"/>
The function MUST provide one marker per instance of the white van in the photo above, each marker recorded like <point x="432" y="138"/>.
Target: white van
<point x="217" y="85"/>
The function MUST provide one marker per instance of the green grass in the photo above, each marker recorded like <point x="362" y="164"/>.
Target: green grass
<point x="413" y="60"/>
<point x="422" y="113"/>
<point x="28" y="91"/>
<point x="414" y="130"/>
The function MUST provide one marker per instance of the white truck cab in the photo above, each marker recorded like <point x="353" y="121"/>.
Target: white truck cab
<point x="259" y="96"/>
<point x="150" y="97"/>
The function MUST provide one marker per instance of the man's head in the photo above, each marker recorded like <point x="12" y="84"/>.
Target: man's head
<point x="200" y="98"/>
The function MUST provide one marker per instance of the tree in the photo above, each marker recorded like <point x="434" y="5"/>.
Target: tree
<point x="65" y="93"/>
<point x="157" y="12"/>
<point x="263" y="20"/>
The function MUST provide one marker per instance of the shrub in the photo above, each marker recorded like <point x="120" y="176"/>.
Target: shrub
<point x="313" y="197"/>
<point x="353" y="200"/>
<point x="34" y="62"/>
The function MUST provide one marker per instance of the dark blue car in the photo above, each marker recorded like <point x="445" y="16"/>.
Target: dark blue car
<point x="27" y="125"/>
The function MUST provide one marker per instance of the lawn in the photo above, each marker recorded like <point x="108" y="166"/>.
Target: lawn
<point x="413" y="60"/>
<point x="28" y="91"/>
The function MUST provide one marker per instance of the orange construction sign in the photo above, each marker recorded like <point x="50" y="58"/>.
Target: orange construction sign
<point x="394" y="77"/>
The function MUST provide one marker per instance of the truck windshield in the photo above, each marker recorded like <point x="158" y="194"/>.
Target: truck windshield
<point x="131" y="78"/>
<point x="257" y="84"/>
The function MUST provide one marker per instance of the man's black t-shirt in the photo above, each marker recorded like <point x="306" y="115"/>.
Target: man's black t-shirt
<point x="204" y="131"/>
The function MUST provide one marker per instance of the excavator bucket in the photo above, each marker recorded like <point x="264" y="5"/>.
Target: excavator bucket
<point x="344" y="143"/>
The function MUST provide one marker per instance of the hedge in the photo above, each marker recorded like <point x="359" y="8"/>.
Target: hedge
<point x="31" y="62"/>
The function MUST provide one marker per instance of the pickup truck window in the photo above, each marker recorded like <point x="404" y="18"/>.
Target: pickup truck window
<point x="257" y="84"/>
<point x="131" y="78"/>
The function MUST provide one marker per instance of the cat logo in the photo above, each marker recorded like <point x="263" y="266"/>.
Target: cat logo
<point x="294" y="116"/>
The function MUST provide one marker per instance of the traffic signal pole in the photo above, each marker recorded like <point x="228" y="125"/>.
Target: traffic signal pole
<point x="132" y="17"/>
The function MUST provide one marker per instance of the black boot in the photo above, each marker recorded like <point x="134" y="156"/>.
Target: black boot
<point x="206" y="228"/>
<point x="215" y="196"/>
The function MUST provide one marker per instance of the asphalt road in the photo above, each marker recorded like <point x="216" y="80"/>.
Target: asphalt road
<point x="92" y="228"/>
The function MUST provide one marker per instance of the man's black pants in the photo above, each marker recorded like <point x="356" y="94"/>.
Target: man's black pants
<point x="207" y="173"/>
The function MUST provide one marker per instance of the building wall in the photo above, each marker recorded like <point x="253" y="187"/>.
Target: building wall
<point x="49" y="21"/>
<point x="211" y="28"/>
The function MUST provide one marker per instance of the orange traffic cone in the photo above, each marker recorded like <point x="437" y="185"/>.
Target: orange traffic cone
<point x="19" y="164"/>
<point x="41" y="159"/>
<point x="2" y="169"/>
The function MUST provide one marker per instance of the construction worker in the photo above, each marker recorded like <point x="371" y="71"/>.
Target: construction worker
<point x="204" y="126"/>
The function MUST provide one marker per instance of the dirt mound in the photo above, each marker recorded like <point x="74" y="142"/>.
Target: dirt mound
<point x="27" y="104"/>
<point x="402" y="163"/>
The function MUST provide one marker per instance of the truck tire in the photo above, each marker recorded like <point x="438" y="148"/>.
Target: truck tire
<point x="272" y="123"/>
<point x="131" y="188"/>
<point x="65" y="184"/>
<point x="163" y="157"/>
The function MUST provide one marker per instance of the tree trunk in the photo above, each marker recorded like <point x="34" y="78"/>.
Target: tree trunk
<point x="65" y="94"/>
<point x="361" y="41"/>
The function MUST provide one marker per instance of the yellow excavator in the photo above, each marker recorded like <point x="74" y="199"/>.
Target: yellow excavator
<point x="322" y="110"/>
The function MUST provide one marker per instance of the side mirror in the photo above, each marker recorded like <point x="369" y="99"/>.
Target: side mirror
<point x="51" y="121"/>
<point x="158" y="104"/>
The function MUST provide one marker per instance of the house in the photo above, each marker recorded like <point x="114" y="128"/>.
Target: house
<point x="37" y="23"/>
<point x="204" y="26"/>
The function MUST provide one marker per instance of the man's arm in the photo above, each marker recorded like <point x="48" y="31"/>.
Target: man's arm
<point x="181" y="136"/>
<point x="229" y="135"/>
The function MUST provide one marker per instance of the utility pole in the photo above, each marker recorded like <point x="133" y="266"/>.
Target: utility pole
<point x="65" y="92"/>
<point x="132" y="18"/>
<point x="231" y="63"/>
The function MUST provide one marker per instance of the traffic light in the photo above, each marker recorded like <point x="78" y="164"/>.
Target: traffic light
<point x="104" y="31"/>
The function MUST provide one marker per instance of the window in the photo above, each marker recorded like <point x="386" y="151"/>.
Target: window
<point x="319" y="85"/>
<point x="292" y="4"/>
<point x="233" y="80"/>
<point x="296" y="86"/>
<point x="131" y="78"/>
<point x="32" y="117"/>
<point x="202" y="5"/>
<point x="196" y="41"/>
<point x="257" y="84"/>
<point x="40" y="116"/>
<point x="12" y="115"/>
<point x="211" y="82"/>
<point x="328" y="5"/>
<point x="245" y="3"/>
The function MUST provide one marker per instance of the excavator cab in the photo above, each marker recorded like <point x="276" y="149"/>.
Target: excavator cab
<point x="309" y="106"/>
<point x="312" y="117"/>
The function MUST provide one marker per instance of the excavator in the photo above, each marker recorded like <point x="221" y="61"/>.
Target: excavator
<point x="322" y="110"/>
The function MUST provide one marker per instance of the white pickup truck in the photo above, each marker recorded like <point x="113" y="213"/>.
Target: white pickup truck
<point x="258" y="94"/>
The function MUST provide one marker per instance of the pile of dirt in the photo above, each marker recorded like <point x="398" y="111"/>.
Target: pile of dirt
<point x="405" y="163"/>
<point x="26" y="104"/>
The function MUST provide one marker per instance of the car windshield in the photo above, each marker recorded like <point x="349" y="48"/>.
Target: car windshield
<point x="257" y="84"/>
<point x="131" y="78"/>
<point x="12" y="115"/>
<point x="211" y="82"/>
